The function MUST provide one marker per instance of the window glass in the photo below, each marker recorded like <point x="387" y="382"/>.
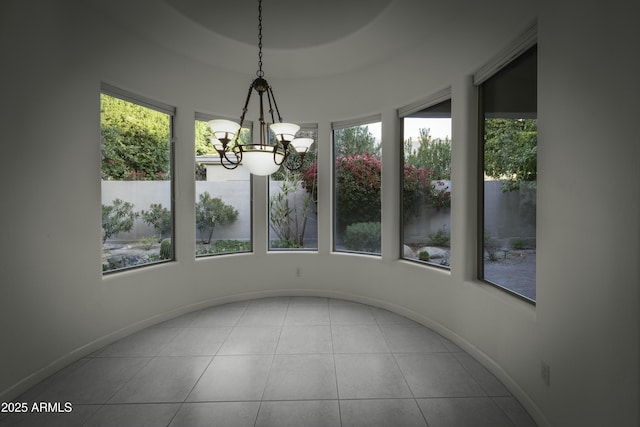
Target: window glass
<point x="137" y="212"/>
<point x="293" y="203"/>
<point x="426" y="185"/>
<point x="509" y="158"/>
<point x="357" y="181"/>
<point x="223" y="198"/>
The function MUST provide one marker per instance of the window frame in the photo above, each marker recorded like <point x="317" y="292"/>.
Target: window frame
<point x="171" y="111"/>
<point x="340" y="125"/>
<point x="519" y="48"/>
<point x="304" y="127"/>
<point x="435" y="99"/>
<point x="247" y="124"/>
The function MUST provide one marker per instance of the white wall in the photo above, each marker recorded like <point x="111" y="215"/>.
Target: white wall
<point x="56" y="306"/>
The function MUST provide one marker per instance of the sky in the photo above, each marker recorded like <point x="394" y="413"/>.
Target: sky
<point x="438" y="128"/>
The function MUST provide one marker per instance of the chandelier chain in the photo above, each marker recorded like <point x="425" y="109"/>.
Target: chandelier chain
<point x="283" y="146"/>
<point x="260" y="73"/>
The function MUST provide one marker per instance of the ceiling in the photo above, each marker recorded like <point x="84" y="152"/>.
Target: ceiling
<point x="307" y="38"/>
<point x="286" y="24"/>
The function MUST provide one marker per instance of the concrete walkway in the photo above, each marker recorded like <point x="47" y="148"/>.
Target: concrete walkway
<point x="518" y="276"/>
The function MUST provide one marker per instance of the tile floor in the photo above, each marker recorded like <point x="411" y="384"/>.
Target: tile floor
<point x="278" y="362"/>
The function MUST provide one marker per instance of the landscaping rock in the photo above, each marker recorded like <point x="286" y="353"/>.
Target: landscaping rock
<point x="434" y="252"/>
<point x="408" y="252"/>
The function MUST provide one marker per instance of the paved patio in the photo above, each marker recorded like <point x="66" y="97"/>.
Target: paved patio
<point x="518" y="275"/>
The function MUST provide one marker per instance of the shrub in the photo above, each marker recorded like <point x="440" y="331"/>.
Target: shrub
<point x="523" y="243"/>
<point x="211" y="212"/>
<point x="160" y="218"/>
<point x="440" y="237"/>
<point x="491" y="245"/>
<point x="136" y="141"/>
<point x="165" y="249"/>
<point x="310" y="181"/>
<point x="439" y="198"/>
<point x="147" y="242"/>
<point x="225" y="246"/>
<point x="363" y="236"/>
<point x="285" y="244"/>
<point x="357" y="189"/>
<point x="416" y="189"/>
<point x="117" y="218"/>
<point x="423" y="256"/>
<point x="288" y="211"/>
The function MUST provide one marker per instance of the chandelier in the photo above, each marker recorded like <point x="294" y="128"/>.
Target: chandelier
<point x="264" y="157"/>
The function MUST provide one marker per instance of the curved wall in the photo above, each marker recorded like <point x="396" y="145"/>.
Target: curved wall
<point x="61" y="308"/>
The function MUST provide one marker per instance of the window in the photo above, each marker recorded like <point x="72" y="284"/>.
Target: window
<point x="357" y="166"/>
<point x="293" y="203"/>
<point x="137" y="185"/>
<point x="426" y="185"/>
<point x="508" y="154"/>
<point x="223" y="197"/>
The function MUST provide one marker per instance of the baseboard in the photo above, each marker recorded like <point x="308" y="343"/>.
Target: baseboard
<point x="77" y="354"/>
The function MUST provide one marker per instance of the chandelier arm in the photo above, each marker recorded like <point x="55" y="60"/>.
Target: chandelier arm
<point x="275" y="156"/>
<point x="230" y="165"/>
<point x="263" y="127"/>
<point x="261" y="118"/>
<point x="282" y="150"/>
<point x="271" y="95"/>
<point x="244" y="113"/>
<point x="237" y="150"/>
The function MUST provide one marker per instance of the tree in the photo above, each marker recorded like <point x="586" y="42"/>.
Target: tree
<point x="288" y="214"/>
<point x="204" y="133"/>
<point x="429" y="162"/>
<point x="204" y="145"/>
<point x="117" y="218"/>
<point x="357" y="176"/>
<point x="136" y="141"/>
<point x="510" y="151"/>
<point x="160" y="218"/>
<point x="211" y="212"/>
<point x="416" y="185"/>
<point x="355" y="140"/>
<point x="433" y="155"/>
<point x="358" y="189"/>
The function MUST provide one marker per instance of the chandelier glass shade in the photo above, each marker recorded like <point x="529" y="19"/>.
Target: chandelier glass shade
<point x="266" y="156"/>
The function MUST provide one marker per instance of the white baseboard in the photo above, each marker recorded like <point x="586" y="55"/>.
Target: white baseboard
<point x="77" y="354"/>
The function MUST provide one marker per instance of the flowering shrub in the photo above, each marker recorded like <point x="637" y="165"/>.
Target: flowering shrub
<point x="357" y="189"/>
<point x="416" y="188"/>
<point x="440" y="195"/>
<point x="310" y="181"/>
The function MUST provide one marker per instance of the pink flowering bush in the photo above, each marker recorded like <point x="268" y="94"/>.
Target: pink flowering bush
<point x="358" y="188"/>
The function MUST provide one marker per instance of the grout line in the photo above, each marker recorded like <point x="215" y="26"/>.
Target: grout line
<point x="333" y="354"/>
<point x="379" y="323"/>
<point x="273" y="357"/>
<point x="393" y="354"/>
